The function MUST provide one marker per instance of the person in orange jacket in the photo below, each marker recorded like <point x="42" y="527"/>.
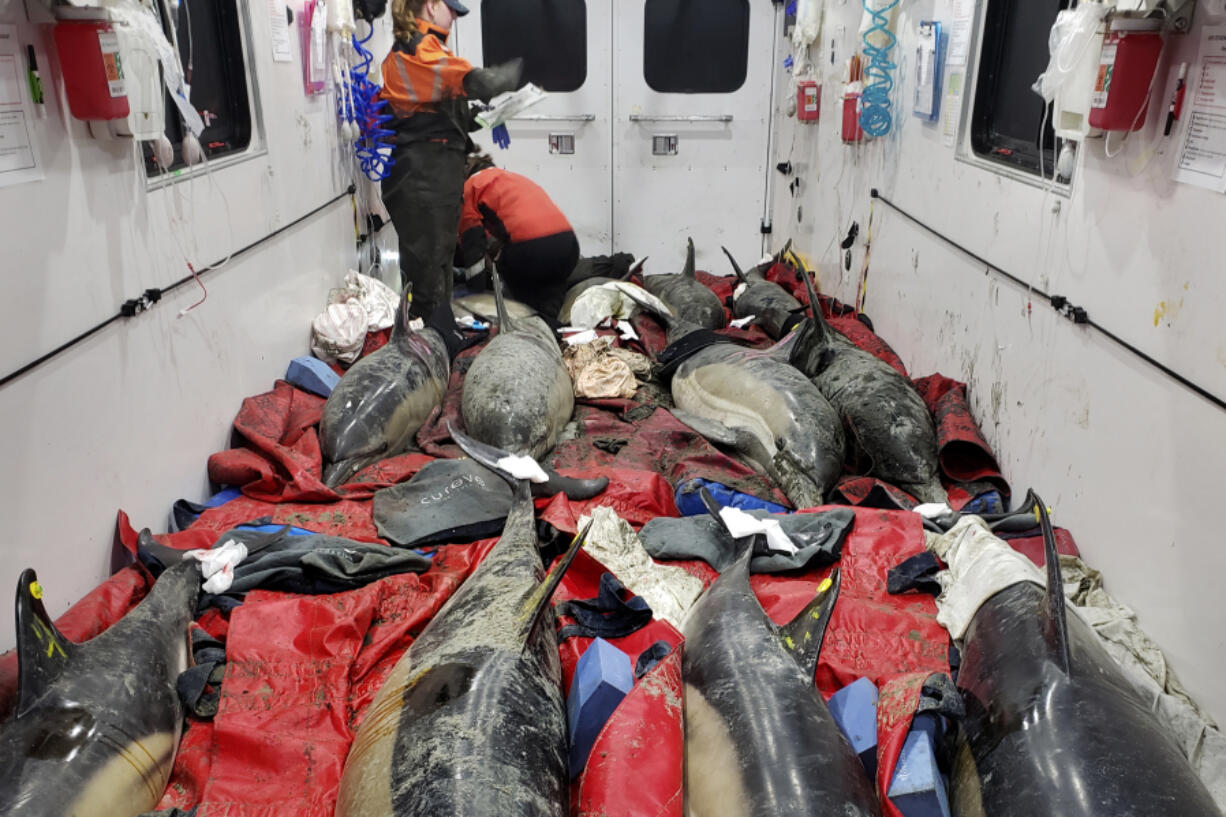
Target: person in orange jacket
<point x="429" y="90"/>
<point x="510" y="217"/>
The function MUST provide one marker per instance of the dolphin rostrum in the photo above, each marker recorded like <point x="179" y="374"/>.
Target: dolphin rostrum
<point x="1052" y="725"/>
<point x="517" y="394"/>
<point x="471" y="721"/>
<point x="774" y="308"/>
<point x="759" y="740"/>
<point x="686" y="296"/>
<point x="383" y="399"/>
<point x="97" y="724"/>
<point x="888" y="427"/>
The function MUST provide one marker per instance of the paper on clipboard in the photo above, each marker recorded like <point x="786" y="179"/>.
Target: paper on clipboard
<point x="19" y="157"/>
<point x="1202" y="149"/>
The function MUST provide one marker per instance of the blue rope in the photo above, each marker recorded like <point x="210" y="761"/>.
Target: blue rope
<point x="875" y="116"/>
<point x="373" y="147"/>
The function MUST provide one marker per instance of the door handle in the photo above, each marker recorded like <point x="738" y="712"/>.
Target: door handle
<point x="578" y="117"/>
<point x="720" y="117"/>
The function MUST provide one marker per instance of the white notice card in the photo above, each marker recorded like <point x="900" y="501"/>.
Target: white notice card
<point x="280" y="31"/>
<point x="19" y="160"/>
<point x="1202" y="152"/>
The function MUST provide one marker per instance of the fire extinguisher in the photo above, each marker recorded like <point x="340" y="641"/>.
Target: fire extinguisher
<point x="92" y="66"/>
<point x="851" y="102"/>
<point x="1126" y="68"/>
<point x="808" y="100"/>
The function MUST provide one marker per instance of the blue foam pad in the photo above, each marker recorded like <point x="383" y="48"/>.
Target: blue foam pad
<point x="854" y="708"/>
<point x="313" y="375"/>
<point x="603" y="677"/>
<point x="917" y="788"/>
<point x="689" y="502"/>
<point x="222" y="497"/>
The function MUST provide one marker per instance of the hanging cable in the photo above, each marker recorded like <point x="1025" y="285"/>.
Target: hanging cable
<point x="374" y="148"/>
<point x="879" y="41"/>
<point x="1059" y="303"/>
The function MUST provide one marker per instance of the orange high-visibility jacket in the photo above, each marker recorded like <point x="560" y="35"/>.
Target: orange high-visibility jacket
<point x="508" y="206"/>
<point x="423" y="83"/>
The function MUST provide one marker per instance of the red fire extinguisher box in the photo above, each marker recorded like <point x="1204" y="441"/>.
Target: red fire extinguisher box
<point x="808" y="100"/>
<point x="1131" y="50"/>
<point x="92" y="66"/>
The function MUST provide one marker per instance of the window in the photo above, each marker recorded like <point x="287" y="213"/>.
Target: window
<point x="551" y="36"/>
<point x="696" y="46"/>
<point x="211" y="49"/>
<point x="1008" y="115"/>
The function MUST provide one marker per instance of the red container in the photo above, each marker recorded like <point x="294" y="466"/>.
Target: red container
<point x="852" y="131"/>
<point x="1125" y="73"/>
<point x="93" y="69"/>
<point x="808" y="100"/>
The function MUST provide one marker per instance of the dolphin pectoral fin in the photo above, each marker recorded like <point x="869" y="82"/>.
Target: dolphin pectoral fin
<point x="713" y="430"/>
<point x="538" y="602"/>
<point x="637" y="266"/>
<point x="42" y="650"/>
<point x="688" y="271"/>
<point x="802" y="636"/>
<point x="573" y="488"/>
<point x="1056" y="625"/>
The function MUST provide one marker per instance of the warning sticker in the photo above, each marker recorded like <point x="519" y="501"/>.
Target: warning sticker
<point x="1102" y="83"/>
<point x="112" y="61"/>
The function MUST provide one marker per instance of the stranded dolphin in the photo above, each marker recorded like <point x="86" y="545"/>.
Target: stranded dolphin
<point x="774" y="308"/>
<point x="377" y="408"/>
<point x="754" y="402"/>
<point x="97" y="724"/>
<point x="583" y="285"/>
<point x="1052" y="725"/>
<point x="471" y="721"/>
<point x="888" y="426"/>
<point x="686" y="297"/>
<point x="759" y="740"/>
<point x="517" y="393"/>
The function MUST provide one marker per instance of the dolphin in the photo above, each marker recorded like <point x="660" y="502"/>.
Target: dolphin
<point x="759" y="740"/>
<point x="579" y="287"/>
<point x="97" y="724"/>
<point x="517" y="393"/>
<point x="1052" y="725"/>
<point x="686" y="297"/>
<point x="774" y="308"/>
<point x="888" y="427"/>
<point x="481" y="306"/>
<point x="471" y="721"/>
<point x="757" y="404"/>
<point x="378" y="406"/>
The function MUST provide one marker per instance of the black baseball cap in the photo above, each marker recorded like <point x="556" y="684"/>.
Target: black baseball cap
<point x="459" y="8"/>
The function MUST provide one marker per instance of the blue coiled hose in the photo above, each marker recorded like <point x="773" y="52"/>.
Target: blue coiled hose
<point x="875" y="116"/>
<point x="373" y="147"/>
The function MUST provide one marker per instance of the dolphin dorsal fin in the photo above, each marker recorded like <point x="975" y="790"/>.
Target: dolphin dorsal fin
<point x="804" y="634"/>
<point x="740" y="275"/>
<point x="688" y="270"/>
<point x="42" y="650"/>
<point x="500" y="303"/>
<point x="1056" y="621"/>
<point x="539" y="601"/>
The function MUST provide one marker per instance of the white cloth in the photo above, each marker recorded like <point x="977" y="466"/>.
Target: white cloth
<point x="377" y="298"/>
<point x="217" y="564"/>
<point x="337" y="333"/>
<point x="595" y="305"/>
<point x="741" y="524"/>
<point x="523" y="467"/>
<point x="669" y="591"/>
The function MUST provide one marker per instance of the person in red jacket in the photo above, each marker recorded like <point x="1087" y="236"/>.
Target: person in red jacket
<point x="429" y="90"/>
<point x="509" y="217"/>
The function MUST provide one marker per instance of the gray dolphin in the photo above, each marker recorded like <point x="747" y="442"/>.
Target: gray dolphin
<point x="517" y="393"/>
<point x="686" y="297"/>
<point x="759" y="740"/>
<point x="773" y="306"/>
<point x="888" y="426"/>
<point x="754" y="402"/>
<point x="378" y="406"/>
<point x="471" y="721"/>
<point x="1052" y="725"/>
<point x="481" y="306"/>
<point x="97" y="724"/>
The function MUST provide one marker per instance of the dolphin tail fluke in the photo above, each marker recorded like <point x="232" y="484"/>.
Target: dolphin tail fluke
<point x="42" y="650"/>
<point x="651" y="307"/>
<point x="688" y="270"/>
<point x="504" y="319"/>
<point x="1056" y="624"/>
<point x="803" y="635"/>
<point x="736" y="268"/>
<point x="537" y="603"/>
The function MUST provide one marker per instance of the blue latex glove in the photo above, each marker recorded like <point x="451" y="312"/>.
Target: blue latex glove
<point x="501" y="138"/>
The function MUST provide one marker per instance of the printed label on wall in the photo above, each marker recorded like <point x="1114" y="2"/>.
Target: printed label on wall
<point x="113" y="62"/>
<point x="1106" y="67"/>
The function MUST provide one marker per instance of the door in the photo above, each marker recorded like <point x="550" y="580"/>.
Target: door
<point x="562" y="143"/>
<point x="692" y="113"/>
